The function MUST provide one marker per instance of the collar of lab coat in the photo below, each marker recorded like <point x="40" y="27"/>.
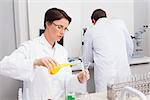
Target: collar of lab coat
<point x="101" y="20"/>
<point x="45" y="42"/>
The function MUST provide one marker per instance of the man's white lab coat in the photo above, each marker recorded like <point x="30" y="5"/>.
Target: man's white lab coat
<point x="107" y="43"/>
<point x="38" y="83"/>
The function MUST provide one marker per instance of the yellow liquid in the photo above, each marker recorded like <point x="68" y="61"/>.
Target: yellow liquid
<point x="55" y="70"/>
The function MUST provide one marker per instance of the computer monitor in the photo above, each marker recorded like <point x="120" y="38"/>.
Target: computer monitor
<point x="41" y="31"/>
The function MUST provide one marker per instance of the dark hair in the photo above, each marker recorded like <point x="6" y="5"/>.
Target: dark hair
<point x="55" y="14"/>
<point x="98" y="13"/>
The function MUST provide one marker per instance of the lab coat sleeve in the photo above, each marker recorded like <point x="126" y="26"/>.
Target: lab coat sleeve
<point x="129" y="42"/>
<point x="87" y="48"/>
<point x="17" y="65"/>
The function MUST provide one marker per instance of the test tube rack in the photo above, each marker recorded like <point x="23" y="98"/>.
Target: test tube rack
<point x="114" y="90"/>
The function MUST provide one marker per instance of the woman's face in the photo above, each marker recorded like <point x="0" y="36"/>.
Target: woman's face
<point x="57" y="28"/>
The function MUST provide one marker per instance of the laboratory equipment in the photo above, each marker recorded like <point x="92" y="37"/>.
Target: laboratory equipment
<point x="141" y="83"/>
<point x="131" y="91"/>
<point x="20" y="96"/>
<point x="138" y="41"/>
<point x="70" y="96"/>
<point x="70" y="64"/>
<point x="57" y="68"/>
<point x="85" y="65"/>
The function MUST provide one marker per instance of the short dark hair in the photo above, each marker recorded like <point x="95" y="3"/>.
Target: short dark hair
<point x="55" y="14"/>
<point x="98" y="13"/>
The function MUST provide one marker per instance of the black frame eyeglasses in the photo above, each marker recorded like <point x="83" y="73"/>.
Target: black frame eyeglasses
<point x="60" y="27"/>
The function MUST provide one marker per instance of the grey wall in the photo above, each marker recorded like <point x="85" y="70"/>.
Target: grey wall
<point x="8" y="87"/>
<point x="7" y="34"/>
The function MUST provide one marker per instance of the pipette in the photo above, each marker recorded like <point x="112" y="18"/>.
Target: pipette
<point x="88" y="65"/>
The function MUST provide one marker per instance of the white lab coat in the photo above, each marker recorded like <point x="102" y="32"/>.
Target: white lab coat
<point x="107" y="44"/>
<point x="38" y="84"/>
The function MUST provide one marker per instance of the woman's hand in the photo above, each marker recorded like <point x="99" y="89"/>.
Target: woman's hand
<point x="45" y="62"/>
<point x="83" y="76"/>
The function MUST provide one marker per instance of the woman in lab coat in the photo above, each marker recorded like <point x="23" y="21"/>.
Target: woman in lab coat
<point x="31" y="61"/>
<point x="108" y="44"/>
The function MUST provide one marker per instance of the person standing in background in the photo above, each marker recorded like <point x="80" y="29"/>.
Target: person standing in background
<point x="109" y="44"/>
<point x="32" y="60"/>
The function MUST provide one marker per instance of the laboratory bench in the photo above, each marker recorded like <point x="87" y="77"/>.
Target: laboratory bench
<point x="97" y="96"/>
<point x="139" y="66"/>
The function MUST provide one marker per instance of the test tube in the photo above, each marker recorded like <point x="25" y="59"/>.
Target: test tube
<point x="87" y="65"/>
